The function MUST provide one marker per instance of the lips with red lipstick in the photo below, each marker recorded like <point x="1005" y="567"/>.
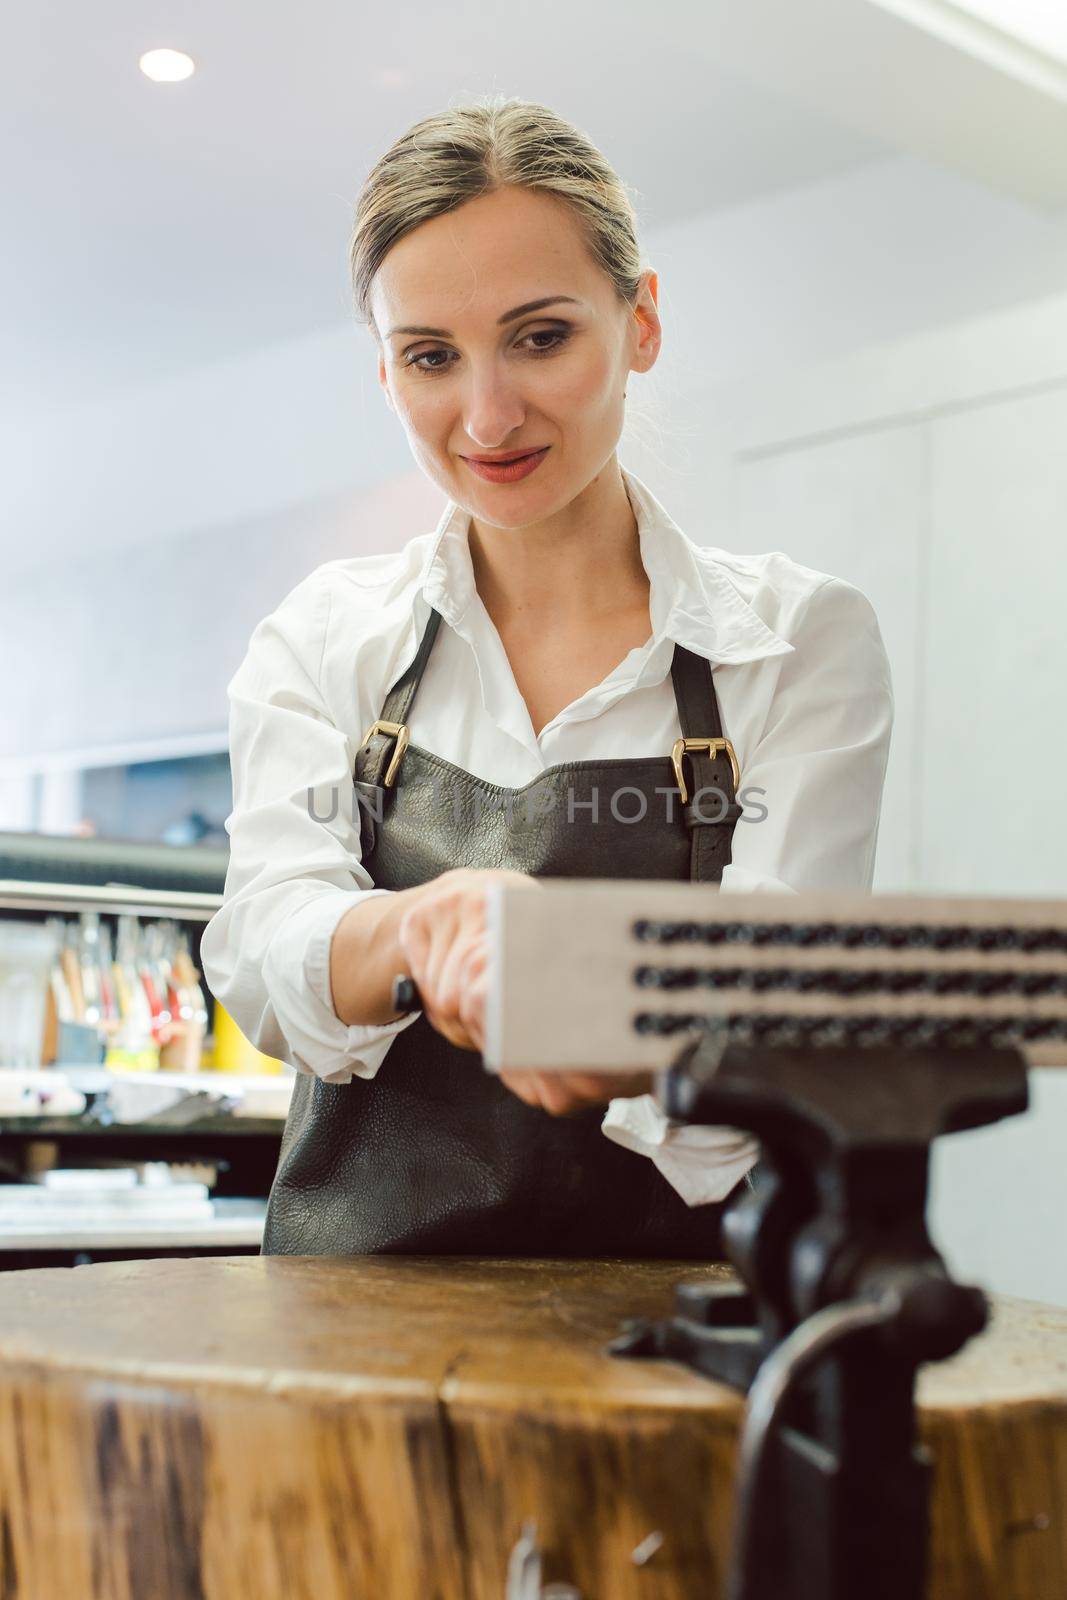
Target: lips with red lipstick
<point x="510" y="455"/>
<point x="508" y="466"/>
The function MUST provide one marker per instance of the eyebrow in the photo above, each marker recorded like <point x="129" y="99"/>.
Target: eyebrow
<point x="509" y="316"/>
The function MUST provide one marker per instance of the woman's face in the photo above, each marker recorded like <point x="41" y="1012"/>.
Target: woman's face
<point x="476" y="385"/>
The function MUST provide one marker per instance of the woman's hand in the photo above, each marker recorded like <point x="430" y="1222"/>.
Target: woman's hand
<point x="444" y="942"/>
<point x="561" y="1093"/>
<point x="443" y="939"/>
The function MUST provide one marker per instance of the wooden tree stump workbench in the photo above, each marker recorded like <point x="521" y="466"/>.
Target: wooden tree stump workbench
<point x="313" y="1428"/>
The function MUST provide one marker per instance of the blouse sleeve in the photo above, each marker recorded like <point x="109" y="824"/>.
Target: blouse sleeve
<point x="814" y="788"/>
<point x="814" y="780"/>
<point x="295" y="867"/>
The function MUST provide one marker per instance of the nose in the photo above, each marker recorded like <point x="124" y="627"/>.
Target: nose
<point x="494" y="408"/>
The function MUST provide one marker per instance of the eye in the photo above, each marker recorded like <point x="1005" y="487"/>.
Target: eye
<point x="559" y="337"/>
<point x="424" y="355"/>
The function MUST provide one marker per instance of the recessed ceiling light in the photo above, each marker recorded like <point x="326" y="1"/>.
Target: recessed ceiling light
<point x="167" y="66"/>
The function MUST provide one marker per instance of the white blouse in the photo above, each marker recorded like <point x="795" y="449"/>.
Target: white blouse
<point x="805" y="697"/>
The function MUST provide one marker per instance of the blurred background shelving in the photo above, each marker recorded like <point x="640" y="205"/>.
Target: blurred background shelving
<point x="183" y="1160"/>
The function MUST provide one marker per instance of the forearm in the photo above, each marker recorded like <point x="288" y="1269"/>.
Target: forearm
<point x="365" y="957"/>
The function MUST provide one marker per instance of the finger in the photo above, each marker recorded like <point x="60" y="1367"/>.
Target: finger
<point x="590" y="1084"/>
<point x="460" y="996"/>
<point x="634" y="1083"/>
<point x="465" y="930"/>
<point x="450" y="1025"/>
<point x="428" y="941"/>
<point x="442" y="936"/>
<point x="518" y="1083"/>
<point x="609" y="1085"/>
<point x="437" y="917"/>
<point x="554" y="1095"/>
<point x="452" y="974"/>
<point x="472" y="997"/>
<point x="413" y="937"/>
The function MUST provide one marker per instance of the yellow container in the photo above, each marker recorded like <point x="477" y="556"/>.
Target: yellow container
<point x="232" y="1051"/>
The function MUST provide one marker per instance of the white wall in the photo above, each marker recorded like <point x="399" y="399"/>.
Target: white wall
<point x="135" y="646"/>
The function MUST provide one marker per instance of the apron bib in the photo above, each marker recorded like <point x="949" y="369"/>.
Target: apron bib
<point x="434" y="1155"/>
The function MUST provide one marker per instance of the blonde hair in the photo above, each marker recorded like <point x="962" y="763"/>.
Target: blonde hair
<point x="469" y="150"/>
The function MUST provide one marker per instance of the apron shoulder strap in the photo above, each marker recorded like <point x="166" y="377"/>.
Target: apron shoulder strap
<point x="380" y="744"/>
<point x="709" y="809"/>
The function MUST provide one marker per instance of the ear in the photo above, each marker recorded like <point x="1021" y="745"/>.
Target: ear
<point x="383" y="381"/>
<point x="646" y="311"/>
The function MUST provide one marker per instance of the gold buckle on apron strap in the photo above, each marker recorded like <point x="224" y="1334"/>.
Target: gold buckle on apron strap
<point x="400" y="729"/>
<point x="711" y="746"/>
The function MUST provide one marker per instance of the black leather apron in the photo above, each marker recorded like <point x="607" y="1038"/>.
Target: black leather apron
<point x="434" y="1155"/>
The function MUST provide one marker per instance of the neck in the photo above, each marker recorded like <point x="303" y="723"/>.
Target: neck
<point x="582" y="561"/>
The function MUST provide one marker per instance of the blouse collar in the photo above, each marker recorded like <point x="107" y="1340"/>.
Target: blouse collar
<point x="693" y="600"/>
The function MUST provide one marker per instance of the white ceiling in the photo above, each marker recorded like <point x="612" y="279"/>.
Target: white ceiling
<point x="153" y="228"/>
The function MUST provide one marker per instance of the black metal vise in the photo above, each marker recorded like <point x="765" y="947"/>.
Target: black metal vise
<point x="841" y="1297"/>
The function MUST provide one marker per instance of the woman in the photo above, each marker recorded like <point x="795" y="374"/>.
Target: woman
<point x="559" y="630"/>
